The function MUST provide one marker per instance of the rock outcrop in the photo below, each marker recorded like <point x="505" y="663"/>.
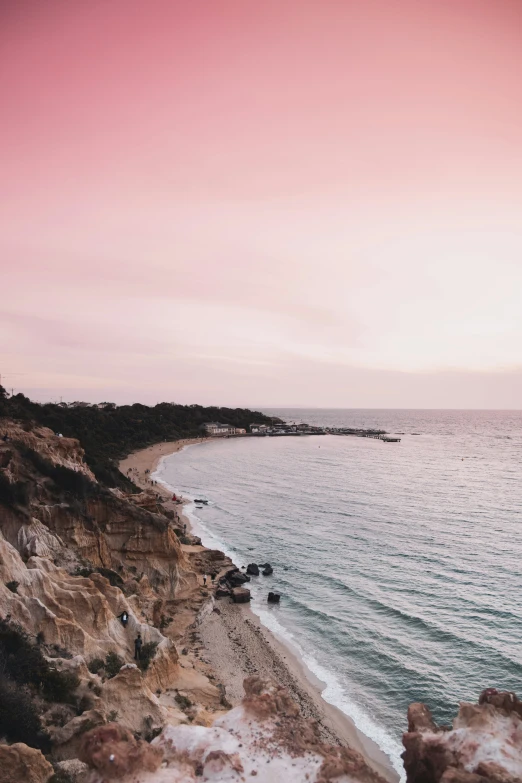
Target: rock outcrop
<point x="483" y="746"/>
<point x="19" y="762"/>
<point x="72" y="522"/>
<point x="240" y="595"/>
<point x="265" y="738"/>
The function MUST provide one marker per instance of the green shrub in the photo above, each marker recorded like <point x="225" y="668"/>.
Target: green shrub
<point x="148" y="651"/>
<point x="165" y="622"/>
<point x="61" y="776"/>
<point x="19" y="718"/>
<point x="13" y="492"/>
<point x="113" y="664"/>
<point x="60" y="686"/>
<point x="73" y="482"/>
<point x="114" y="578"/>
<point x="85" y="572"/>
<point x="95" y="665"/>
<point x="24" y="663"/>
<point x="183" y="701"/>
<point x="12" y="586"/>
<point x="55" y="651"/>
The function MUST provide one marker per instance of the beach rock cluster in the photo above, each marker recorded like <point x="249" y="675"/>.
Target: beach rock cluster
<point x="231" y="584"/>
<point x="484" y="745"/>
<point x="253" y="569"/>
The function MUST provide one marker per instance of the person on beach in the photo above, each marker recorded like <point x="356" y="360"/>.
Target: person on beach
<point x="138" y="644"/>
<point x="124" y="617"/>
<point x="205" y="580"/>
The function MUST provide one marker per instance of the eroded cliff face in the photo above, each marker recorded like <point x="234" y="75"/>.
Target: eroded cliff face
<point x="85" y="524"/>
<point x="484" y="744"/>
<point x="73" y="557"/>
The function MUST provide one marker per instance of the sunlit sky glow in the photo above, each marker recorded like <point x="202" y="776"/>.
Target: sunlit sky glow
<point x="302" y="202"/>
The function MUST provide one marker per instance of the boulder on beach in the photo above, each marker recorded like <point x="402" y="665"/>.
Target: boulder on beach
<point x="222" y="592"/>
<point x="253" y="569"/>
<point x="237" y="579"/>
<point x="240" y="595"/>
<point x="273" y="598"/>
<point x="268" y="570"/>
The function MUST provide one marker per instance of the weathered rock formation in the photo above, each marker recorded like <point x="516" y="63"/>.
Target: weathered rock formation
<point x="18" y="762"/>
<point x="265" y="738"/>
<point x="73" y="557"/>
<point x="80" y="522"/>
<point x="240" y="595"/>
<point x="483" y="746"/>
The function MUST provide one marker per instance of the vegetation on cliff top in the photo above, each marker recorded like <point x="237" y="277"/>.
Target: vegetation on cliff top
<point x="108" y="434"/>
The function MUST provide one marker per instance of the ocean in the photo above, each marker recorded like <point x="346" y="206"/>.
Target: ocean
<point x="399" y="564"/>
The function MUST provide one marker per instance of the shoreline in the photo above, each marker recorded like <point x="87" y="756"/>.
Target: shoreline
<point x="236" y="644"/>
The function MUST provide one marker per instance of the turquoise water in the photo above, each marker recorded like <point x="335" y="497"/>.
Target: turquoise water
<point x="399" y="565"/>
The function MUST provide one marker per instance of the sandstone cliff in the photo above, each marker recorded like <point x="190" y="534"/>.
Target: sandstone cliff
<point x="73" y="557"/>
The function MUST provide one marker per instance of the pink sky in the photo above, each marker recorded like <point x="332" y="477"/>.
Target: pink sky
<point x="262" y="203"/>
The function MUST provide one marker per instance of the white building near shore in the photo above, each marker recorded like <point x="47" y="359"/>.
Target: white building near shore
<point x="215" y="429"/>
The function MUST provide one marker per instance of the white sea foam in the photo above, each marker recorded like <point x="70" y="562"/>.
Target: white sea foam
<point x="334" y="692"/>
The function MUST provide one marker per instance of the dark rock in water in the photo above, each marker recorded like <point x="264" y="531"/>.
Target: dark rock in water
<point x="268" y="570"/>
<point x="253" y="569"/>
<point x="240" y="595"/>
<point x="237" y="579"/>
<point x="273" y="598"/>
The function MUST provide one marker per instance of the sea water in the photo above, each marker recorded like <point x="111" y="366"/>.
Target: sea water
<point x="399" y="564"/>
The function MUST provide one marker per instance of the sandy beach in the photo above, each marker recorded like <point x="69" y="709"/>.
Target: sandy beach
<point x="232" y="643"/>
<point x="142" y="463"/>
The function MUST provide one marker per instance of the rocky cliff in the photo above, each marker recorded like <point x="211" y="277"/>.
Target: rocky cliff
<point x="74" y="557"/>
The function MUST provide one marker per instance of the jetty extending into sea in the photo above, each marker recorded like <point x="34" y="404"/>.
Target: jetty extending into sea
<point x="286" y="430"/>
